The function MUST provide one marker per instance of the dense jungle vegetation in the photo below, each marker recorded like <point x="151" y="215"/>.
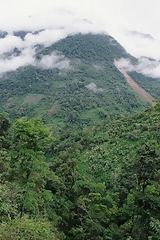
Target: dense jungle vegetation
<point x="99" y="183"/>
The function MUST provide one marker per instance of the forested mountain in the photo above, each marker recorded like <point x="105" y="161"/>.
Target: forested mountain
<point x="98" y="183"/>
<point x="79" y="147"/>
<point x="88" y="90"/>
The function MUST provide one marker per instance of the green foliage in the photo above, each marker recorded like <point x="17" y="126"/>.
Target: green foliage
<point x="98" y="183"/>
<point x="25" y="228"/>
<point x="89" y="47"/>
<point x="126" y="169"/>
<point x="29" y="168"/>
<point x="155" y="226"/>
<point x="9" y="201"/>
<point x="4" y="124"/>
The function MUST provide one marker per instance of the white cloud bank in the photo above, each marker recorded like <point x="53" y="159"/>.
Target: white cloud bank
<point x="14" y="62"/>
<point x="27" y="48"/>
<point x="10" y="42"/>
<point x="116" y="17"/>
<point x="123" y="19"/>
<point x="145" y="66"/>
<point x="27" y="57"/>
<point x="44" y="37"/>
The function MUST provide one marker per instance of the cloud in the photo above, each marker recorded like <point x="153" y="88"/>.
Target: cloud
<point x="111" y="16"/>
<point x="14" y="62"/>
<point x="54" y="61"/>
<point x="10" y="42"/>
<point x="144" y="66"/>
<point x="27" y="57"/>
<point x="141" y="35"/>
<point x="28" y="44"/>
<point x="140" y="46"/>
<point x="123" y="19"/>
<point x="27" y="47"/>
<point x="45" y="37"/>
<point x="52" y="35"/>
<point x="93" y="87"/>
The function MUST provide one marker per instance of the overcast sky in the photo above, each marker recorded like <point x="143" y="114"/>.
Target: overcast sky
<point x="116" y="17"/>
<point x="134" y="23"/>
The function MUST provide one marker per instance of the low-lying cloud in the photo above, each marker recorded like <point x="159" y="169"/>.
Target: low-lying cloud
<point x="54" y="61"/>
<point x="10" y="42"/>
<point x="93" y="87"/>
<point x="27" y="46"/>
<point x="28" y="57"/>
<point x="145" y="66"/>
<point x="14" y="62"/>
<point x="45" y="37"/>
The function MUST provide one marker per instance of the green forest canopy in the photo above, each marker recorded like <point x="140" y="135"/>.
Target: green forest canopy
<point x="101" y="182"/>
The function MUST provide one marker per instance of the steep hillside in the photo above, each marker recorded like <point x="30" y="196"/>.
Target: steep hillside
<point x="118" y="167"/>
<point x="106" y="147"/>
<point x="143" y="94"/>
<point x="91" y="89"/>
<point x="151" y="85"/>
<point x="99" y="183"/>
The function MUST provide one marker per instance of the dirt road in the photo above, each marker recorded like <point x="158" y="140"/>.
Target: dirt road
<point x="144" y="95"/>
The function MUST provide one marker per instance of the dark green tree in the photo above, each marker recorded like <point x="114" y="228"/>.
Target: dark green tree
<point x="146" y="169"/>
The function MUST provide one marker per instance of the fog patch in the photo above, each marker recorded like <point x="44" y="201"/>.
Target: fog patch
<point x="141" y="35"/>
<point x="93" y="87"/>
<point x="45" y="37"/>
<point x="98" y="67"/>
<point x="14" y="62"/>
<point x="54" y="60"/>
<point x="9" y="43"/>
<point x="28" y="57"/>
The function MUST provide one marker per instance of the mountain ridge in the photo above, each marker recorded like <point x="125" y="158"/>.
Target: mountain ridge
<point x="61" y="97"/>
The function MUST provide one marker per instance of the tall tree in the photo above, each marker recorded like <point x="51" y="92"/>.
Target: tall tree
<point x="29" y="168"/>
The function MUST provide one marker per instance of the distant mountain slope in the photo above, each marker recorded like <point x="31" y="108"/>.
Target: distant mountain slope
<point x="152" y="85"/>
<point x="144" y="95"/>
<point x="90" y="90"/>
<point x="89" y="47"/>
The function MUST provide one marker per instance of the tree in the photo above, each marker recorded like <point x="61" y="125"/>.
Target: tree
<point x="146" y="194"/>
<point x="29" y="168"/>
